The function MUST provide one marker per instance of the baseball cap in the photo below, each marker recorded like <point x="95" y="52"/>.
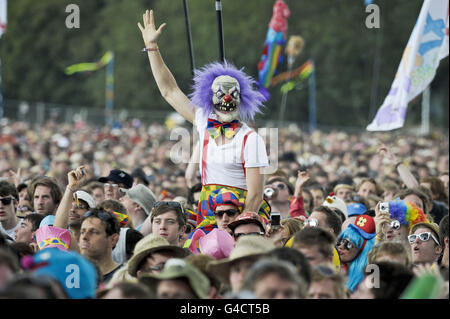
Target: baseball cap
<point x="118" y="176"/>
<point x="355" y="209"/>
<point x="76" y="274"/>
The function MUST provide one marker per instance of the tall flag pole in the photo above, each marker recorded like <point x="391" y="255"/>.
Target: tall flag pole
<point x="427" y="45"/>
<point x="272" y="53"/>
<point x="293" y="48"/>
<point x="189" y="35"/>
<point x="109" y="94"/>
<point x="312" y="100"/>
<point x="220" y="30"/>
<point x="3" y="21"/>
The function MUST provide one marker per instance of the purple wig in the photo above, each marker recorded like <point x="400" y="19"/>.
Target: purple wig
<point x="251" y="100"/>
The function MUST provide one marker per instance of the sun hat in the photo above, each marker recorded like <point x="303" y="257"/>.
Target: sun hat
<point x="179" y="268"/>
<point x="50" y="236"/>
<point x="150" y="244"/>
<point x="247" y="246"/>
<point x="248" y="218"/>
<point x="141" y="195"/>
<point x="336" y="202"/>
<point x="85" y="196"/>
<point x="76" y="274"/>
<point x="218" y="243"/>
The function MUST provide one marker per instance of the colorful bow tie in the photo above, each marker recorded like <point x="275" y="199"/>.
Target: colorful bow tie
<point x="228" y="129"/>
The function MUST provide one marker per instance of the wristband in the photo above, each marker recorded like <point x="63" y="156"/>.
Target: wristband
<point x="149" y="49"/>
<point x="398" y="164"/>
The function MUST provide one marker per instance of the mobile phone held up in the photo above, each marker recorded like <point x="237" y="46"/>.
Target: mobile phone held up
<point x="275" y="220"/>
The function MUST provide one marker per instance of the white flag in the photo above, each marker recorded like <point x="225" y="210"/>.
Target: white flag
<point x="427" y="45"/>
<point x="2" y="17"/>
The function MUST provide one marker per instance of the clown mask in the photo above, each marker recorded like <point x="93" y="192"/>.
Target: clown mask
<point x="226" y="98"/>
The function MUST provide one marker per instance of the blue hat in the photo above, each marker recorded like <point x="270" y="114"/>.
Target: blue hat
<point x="356" y="209"/>
<point x="118" y="176"/>
<point x="48" y="220"/>
<point x="75" y="273"/>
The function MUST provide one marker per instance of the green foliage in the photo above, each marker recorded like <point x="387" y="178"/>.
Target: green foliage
<point x="38" y="46"/>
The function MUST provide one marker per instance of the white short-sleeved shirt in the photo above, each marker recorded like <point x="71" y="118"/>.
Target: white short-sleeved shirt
<point x="224" y="163"/>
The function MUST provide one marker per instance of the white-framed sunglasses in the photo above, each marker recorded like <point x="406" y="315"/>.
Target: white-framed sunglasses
<point x="423" y="237"/>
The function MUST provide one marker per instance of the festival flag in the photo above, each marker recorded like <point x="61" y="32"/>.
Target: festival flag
<point x="89" y="66"/>
<point x="272" y="53"/>
<point x="108" y="61"/>
<point x="301" y="74"/>
<point x="3" y="10"/>
<point x="427" y="45"/>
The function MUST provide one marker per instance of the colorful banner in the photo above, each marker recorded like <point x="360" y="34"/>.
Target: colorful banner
<point x="302" y="73"/>
<point x="427" y="45"/>
<point x="275" y="39"/>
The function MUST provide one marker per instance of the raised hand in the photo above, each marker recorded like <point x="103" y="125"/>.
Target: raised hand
<point x="302" y="178"/>
<point x="384" y="151"/>
<point x="76" y="177"/>
<point x="149" y="32"/>
<point x="14" y="177"/>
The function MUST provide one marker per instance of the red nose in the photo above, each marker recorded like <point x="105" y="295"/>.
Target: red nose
<point x="227" y="98"/>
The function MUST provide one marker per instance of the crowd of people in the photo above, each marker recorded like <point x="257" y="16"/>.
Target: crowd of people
<point x="124" y="212"/>
<point x="60" y="186"/>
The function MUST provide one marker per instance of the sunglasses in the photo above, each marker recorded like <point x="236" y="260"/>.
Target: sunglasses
<point x="229" y="212"/>
<point x="325" y="271"/>
<point x="105" y="216"/>
<point x="259" y="233"/>
<point x="347" y="244"/>
<point x="6" y="200"/>
<point x="311" y="222"/>
<point x="107" y="185"/>
<point x="157" y="267"/>
<point x="423" y="237"/>
<point x="170" y="204"/>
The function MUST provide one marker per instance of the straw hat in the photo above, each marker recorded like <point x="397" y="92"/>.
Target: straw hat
<point x="179" y="268"/>
<point x="247" y="246"/>
<point x="148" y="245"/>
